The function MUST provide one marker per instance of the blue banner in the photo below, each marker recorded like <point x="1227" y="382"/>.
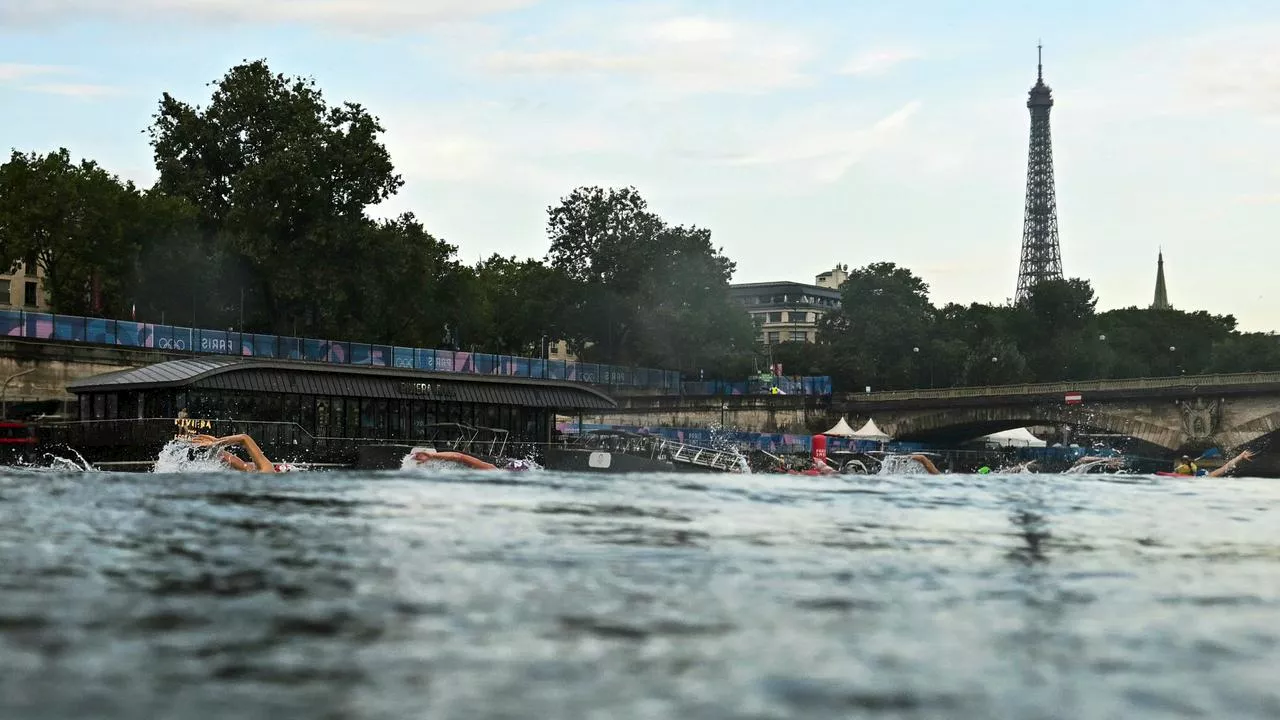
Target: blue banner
<point x="169" y="338"/>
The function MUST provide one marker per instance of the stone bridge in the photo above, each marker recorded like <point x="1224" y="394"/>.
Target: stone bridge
<point x="1183" y="413"/>
<point x="1169" y="414"/>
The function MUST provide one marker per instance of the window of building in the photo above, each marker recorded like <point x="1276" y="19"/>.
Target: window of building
<point x="771" y="338"/>
<point x="5" y="290"/>
<point x="797" y="317"/>
<point x="29" y="294"/>
<point x="799" y="336"/>
<point x="775" y="317"/>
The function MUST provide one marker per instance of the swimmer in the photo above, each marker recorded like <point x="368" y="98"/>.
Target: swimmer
<point x="259" y="463"/>
<point x="927" y="463"/>
<point x="424" y="455"/>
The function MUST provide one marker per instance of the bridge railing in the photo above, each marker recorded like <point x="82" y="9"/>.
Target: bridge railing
<point x="175" y="339"/>
<point x="1217" y="380"/>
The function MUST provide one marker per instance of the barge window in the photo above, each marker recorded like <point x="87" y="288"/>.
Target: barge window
<point x="369" y="417"/>
<point x="292" y="409"/>
<point x="322" y="416"/>
<point x="353" y="417"/>
<point x="338" y="421"/>
<point x="307" y="414"/>
<point x="418" y="426"/>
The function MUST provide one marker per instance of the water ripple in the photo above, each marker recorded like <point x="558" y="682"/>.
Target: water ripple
<point x="472" y="595"/>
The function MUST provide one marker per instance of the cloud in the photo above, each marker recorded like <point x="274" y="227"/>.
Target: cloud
<point x="826" y="155"/>
<point x="10" y="72"/>
<point x="1237" y="69"/>
<point x="678" y="56"/>
<point x="365" y="15"/>
<point x="878" y="62"/>
<point x="1205" y="75"/>
<point x="1259" y="199"/>
<point x="75" y="90"/>
<point x="23" y="76"/>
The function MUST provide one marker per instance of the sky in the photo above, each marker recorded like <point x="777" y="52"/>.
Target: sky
<point x="802" y="134"/>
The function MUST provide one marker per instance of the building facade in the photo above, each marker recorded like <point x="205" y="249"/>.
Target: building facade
<point x="788" y="311"/>
<point x="23" y="289"/>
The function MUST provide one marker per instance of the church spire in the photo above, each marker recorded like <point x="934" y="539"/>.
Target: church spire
<point x="1162" y="294"/>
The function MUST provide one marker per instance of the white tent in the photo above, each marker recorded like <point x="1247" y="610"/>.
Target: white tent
<point x="870" y="431"/>
<point x="1018" y="437"/>
<point x="841" y="429"/>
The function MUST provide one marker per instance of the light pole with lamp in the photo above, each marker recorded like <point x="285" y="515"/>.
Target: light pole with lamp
<point x="916" y="352"/>
<point x="4" y="389"/>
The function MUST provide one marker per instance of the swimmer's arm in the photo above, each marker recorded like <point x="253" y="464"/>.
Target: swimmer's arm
<point x="927" y="463"/>
<point x="236" y="463"/>
<point x="260" y="461"/>
<point x="1230" y="465"/>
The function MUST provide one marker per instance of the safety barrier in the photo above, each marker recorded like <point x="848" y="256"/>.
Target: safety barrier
<point x="807" y="385"/>
<point x="171" y="338"/>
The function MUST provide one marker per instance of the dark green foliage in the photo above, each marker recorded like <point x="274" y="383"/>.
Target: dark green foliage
<point x="879" y="339"/>
<point x="279" y="178"/>
<point x="648" y="293"/>
<point x="77" y="221"/>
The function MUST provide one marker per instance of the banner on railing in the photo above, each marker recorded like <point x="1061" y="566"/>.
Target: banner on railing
<point x="170" y="338"/>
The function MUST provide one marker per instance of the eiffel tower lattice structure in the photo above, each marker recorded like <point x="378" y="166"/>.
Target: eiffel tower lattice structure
<point x="1041" y="258"/>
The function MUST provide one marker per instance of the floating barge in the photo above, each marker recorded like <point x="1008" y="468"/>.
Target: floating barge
<point x="307" y="412"/>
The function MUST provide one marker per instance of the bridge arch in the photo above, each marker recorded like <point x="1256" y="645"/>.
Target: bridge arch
<point x="952" y="423"/>
<point x="1253" y="434"/>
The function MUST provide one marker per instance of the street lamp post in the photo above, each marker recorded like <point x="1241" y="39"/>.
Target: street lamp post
<point x="1177" y="367"/>
<point x="4" y="389"/>
<point x="916" y="353"/>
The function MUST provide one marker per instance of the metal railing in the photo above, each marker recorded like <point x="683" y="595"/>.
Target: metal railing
<point x="176" y="339"/>
<point x="1217" y="380"/>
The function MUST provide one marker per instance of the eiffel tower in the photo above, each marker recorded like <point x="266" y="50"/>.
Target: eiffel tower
<point x="1040" y="256"/>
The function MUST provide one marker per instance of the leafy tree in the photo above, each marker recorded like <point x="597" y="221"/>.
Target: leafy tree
<point x="281" y="181"/>
<point x="173" y="266"/>
<point x="884" y="313"/>
<point x="528" y="304"/>
<point x="604" y="237"/>
<point x="995" y="361"/>
<point x="650" y="293"/>
<point x="687" y="318"/>
<point x="71" y="219"/>
<point x="399" y="288"/>
<point x="1055" y="316"/>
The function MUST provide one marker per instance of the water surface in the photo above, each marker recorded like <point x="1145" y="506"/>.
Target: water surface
<point x="543" y="595"/>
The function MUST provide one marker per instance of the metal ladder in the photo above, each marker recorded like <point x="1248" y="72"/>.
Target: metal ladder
<point x="723" y="460"/>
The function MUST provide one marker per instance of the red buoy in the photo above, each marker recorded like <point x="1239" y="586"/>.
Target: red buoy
<point x="818" y="448"/>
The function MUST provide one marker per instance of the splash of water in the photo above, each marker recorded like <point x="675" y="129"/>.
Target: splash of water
<point x="719" y="440"/>
<point x="900" y="465"/>
<point x="57" y="462"/>
<point x="1086" y="467"/>
<point x="408" y="463"/>
<point x="180" y="456"/>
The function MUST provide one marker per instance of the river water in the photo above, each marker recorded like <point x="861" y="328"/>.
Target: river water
<point x="542" y="595"/>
